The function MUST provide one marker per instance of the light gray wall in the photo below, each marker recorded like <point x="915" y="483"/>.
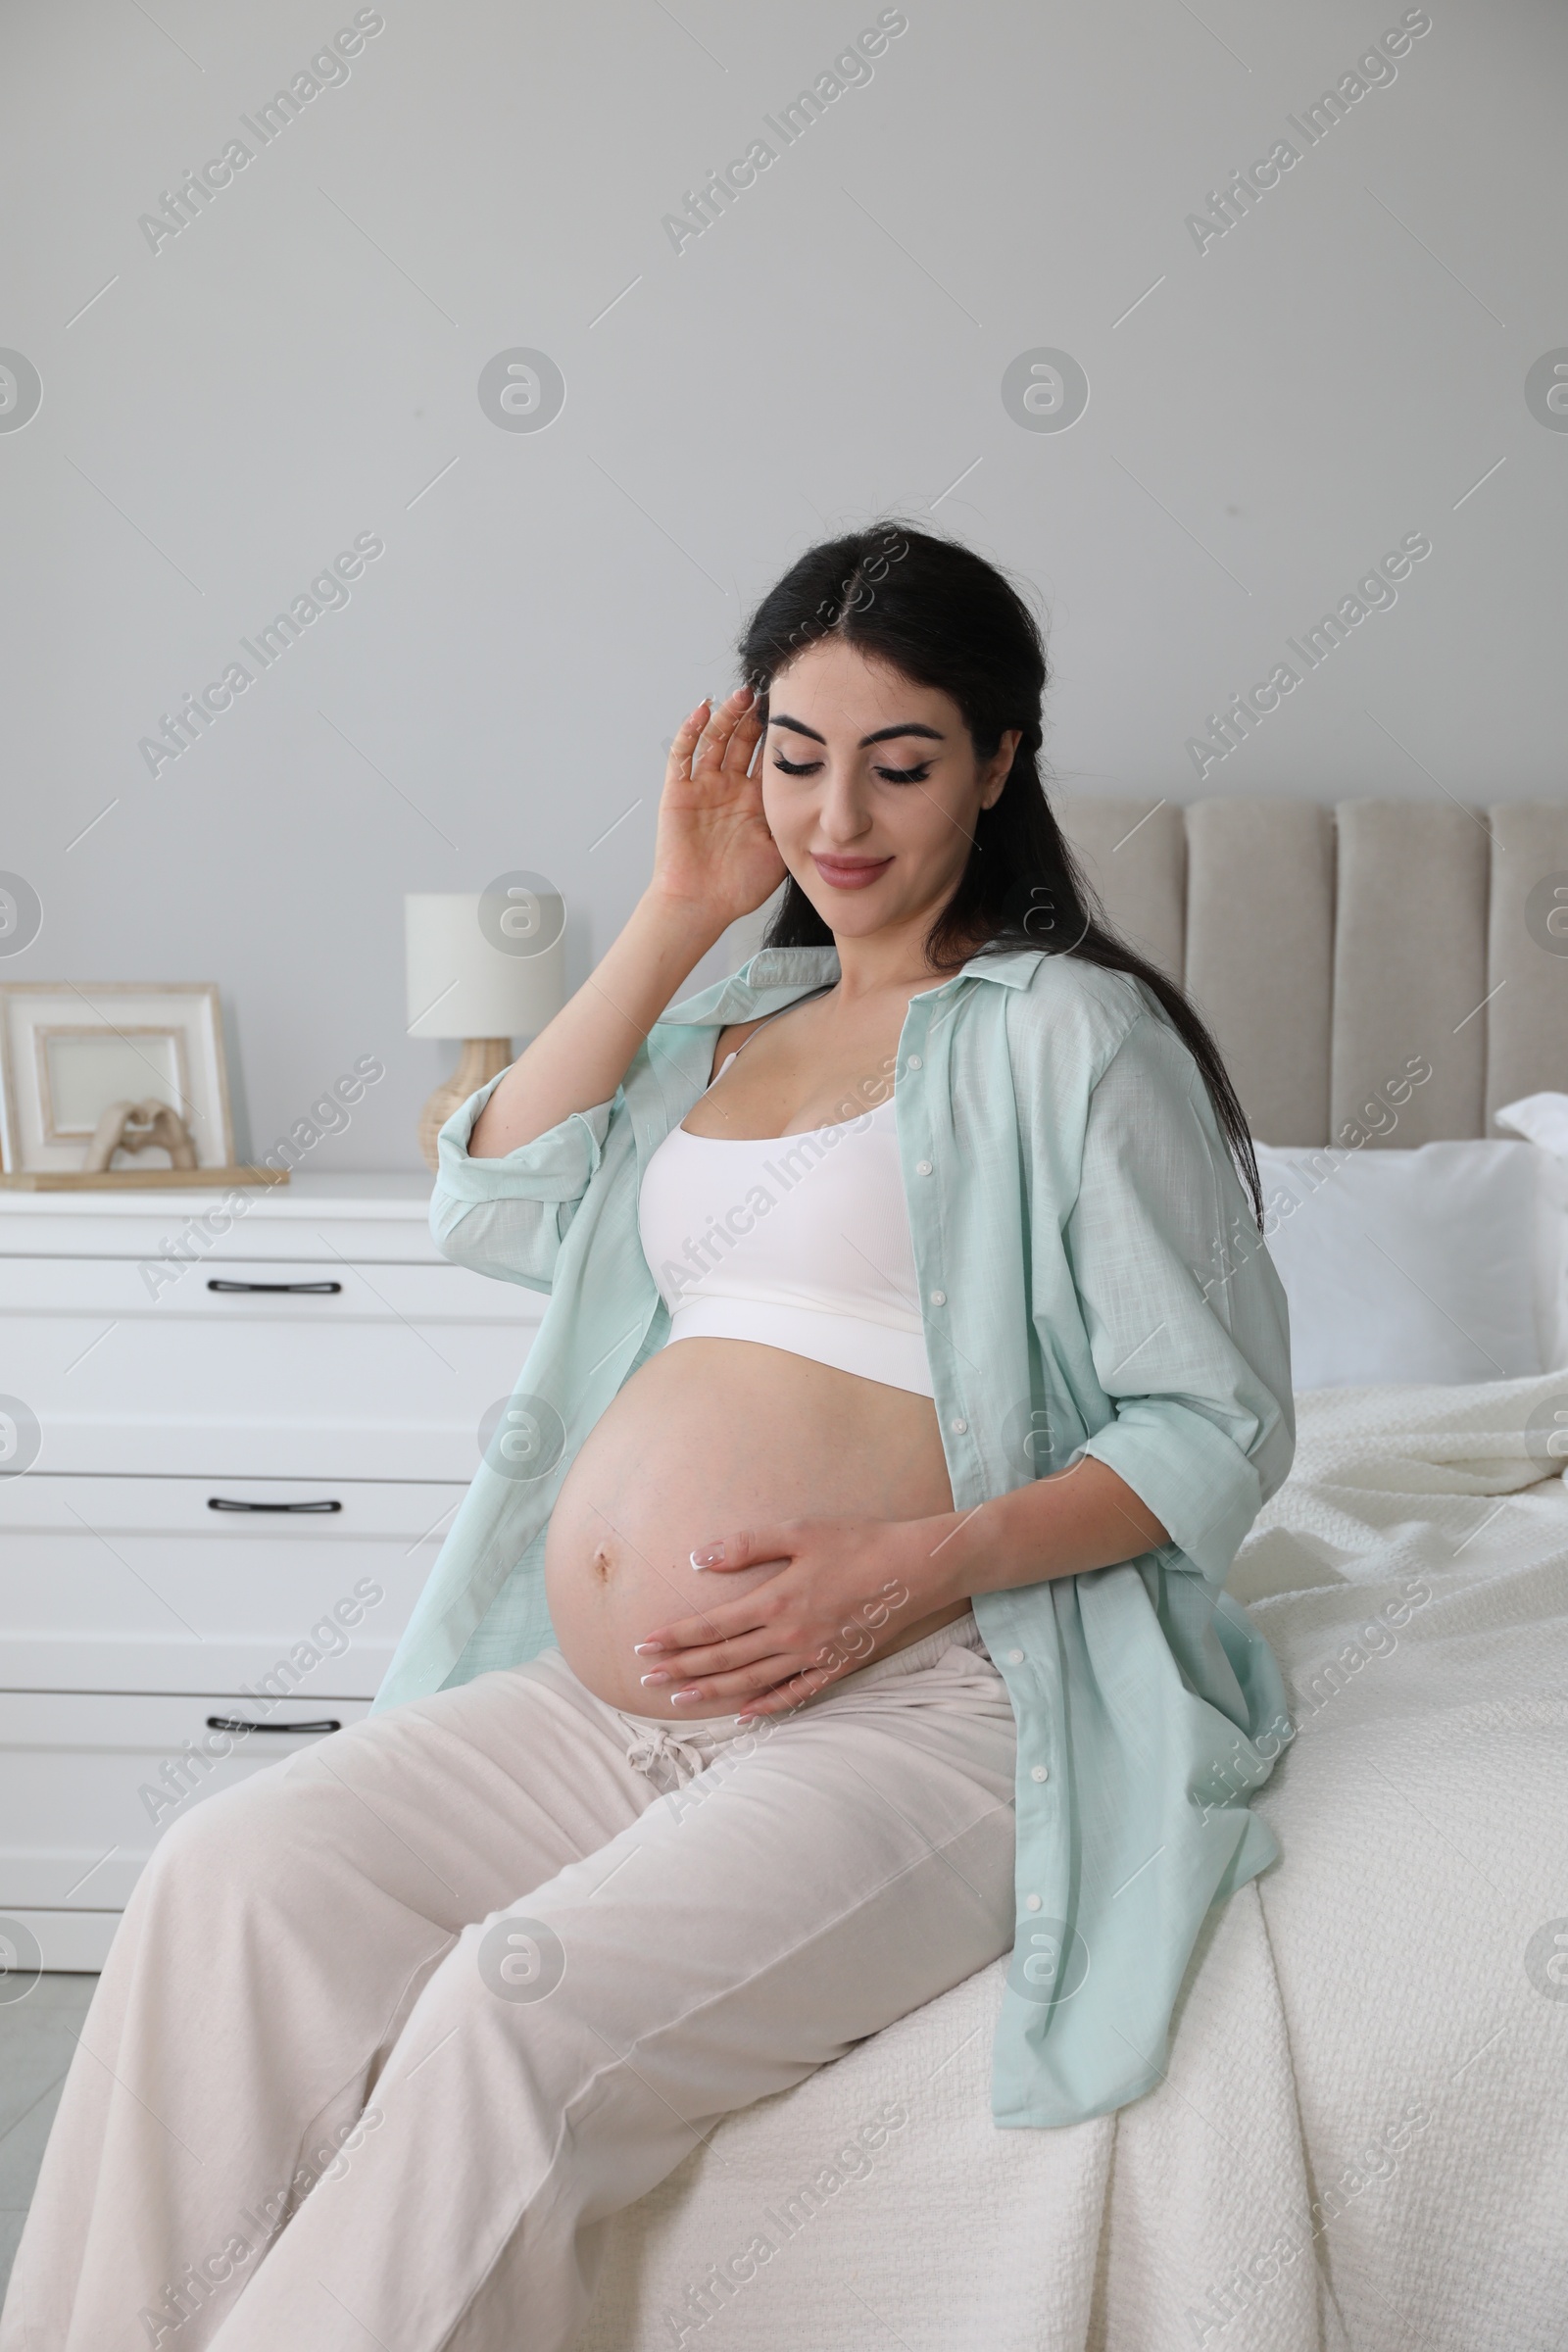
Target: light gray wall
<point x="301" y="362"/>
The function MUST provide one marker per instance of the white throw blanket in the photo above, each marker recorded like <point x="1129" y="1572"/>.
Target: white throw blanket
<point x="1361" y="2140"/>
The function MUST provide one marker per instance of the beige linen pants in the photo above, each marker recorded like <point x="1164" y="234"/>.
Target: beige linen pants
<point x="390" y="2030"/>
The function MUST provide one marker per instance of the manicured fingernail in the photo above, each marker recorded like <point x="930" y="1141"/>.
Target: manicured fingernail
<point x="648" y="1649"/>
<point x="676" y="1696"/>
<point x="656" y="1678"/>
<point x="708" y="1557"/>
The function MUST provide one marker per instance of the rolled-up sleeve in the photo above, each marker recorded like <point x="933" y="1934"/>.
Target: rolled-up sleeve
<point x="1186" y="1315"/>
<point x="509" y="1216"/>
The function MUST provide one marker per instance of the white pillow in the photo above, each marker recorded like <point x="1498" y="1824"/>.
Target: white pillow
<point x="1443" y="1264"/>
<point x="1540" y="1119"/>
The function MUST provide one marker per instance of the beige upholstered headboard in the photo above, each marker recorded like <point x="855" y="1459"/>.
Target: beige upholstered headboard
<point x="1329" y="948"/>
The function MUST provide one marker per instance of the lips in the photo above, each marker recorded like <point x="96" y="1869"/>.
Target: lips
<point x="851" y="874"/>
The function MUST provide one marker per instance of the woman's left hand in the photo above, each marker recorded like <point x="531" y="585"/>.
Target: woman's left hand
<point x="824" y="1614"/>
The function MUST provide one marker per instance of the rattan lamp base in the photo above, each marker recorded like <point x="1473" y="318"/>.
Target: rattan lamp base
<point x="482" y="1057"/>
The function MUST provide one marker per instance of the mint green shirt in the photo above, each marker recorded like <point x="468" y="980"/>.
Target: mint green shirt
<point x="1090" y="1283"/>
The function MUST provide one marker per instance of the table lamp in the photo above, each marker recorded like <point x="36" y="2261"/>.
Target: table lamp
<point x="485" y="966"/>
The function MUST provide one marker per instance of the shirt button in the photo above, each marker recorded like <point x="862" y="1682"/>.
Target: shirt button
<point x="939" y="1298"/>
<point x="959" y="1428"/>
<point x="1040" y="1772"/>
<point x="1031" y="1902"/>
<point x="914" y="1063"/>
<point x="1016" y="1657"/>
<point x="923" y="1167"/>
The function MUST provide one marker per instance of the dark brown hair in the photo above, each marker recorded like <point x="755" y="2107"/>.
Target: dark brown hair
<point x="945" y="617"/>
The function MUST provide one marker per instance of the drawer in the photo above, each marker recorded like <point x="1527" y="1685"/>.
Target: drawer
<point x="73" y="1941"/>
<point x="318" y="1293"/>
<point x="305" y="1392"/>
<point x="88" y="1781"/>
<point x="308" y="1218"/>
<point x="142" y="1585"/>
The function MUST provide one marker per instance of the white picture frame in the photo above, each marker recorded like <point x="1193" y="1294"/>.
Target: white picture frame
<point x="69" y="1049"/>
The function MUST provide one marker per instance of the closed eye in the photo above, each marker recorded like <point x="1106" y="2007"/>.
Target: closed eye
<point x="889" y="775"/>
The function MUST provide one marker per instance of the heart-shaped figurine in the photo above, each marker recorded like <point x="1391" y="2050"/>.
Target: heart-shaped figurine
<point x="132" y="1127"/>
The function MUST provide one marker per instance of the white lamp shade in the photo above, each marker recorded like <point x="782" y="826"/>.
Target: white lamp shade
<point x="460" y="985"/>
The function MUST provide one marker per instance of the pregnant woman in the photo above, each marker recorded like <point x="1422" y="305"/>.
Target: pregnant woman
<point x="839" y="1606"/>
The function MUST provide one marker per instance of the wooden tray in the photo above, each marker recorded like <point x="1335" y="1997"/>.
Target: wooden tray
<point x="136" y="1180"/>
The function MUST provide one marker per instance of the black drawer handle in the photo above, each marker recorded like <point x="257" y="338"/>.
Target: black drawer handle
<point x="222" y="1503"/>
<point x="233" y="1723"/>
<point x="302" y="1290"/>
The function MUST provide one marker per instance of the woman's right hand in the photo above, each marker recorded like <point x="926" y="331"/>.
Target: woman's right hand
<point x="713" y="861"/>
<point x="713" y="851"/>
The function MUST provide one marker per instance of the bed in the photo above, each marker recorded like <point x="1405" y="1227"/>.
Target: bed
<point x="1361" y="2141"/>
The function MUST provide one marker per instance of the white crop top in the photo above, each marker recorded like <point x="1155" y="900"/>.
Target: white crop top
<point x="799" y="1242"/>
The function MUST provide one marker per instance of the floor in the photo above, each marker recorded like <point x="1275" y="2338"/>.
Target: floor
<point x="37" y="2034"/>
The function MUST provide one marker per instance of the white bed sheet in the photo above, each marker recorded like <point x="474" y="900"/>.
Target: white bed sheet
<point x="1398" y="1958"/>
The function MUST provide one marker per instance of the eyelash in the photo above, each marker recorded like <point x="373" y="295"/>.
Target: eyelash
<point x="889" y="775"/>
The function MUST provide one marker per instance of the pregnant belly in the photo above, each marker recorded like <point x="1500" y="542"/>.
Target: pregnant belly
<point x="711" y="1436"/>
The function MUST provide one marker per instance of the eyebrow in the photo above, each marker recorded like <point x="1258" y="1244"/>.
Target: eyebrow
<point x="882" y="735"/>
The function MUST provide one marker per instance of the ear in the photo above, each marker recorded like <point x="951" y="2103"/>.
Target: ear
<point x="1001" y="767"/>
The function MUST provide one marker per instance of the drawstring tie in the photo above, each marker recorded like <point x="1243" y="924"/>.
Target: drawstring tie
<point x="667" y="1755"/>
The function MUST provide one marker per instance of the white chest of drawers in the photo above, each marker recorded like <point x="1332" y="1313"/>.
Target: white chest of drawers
<point x="236" y="1479"/>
